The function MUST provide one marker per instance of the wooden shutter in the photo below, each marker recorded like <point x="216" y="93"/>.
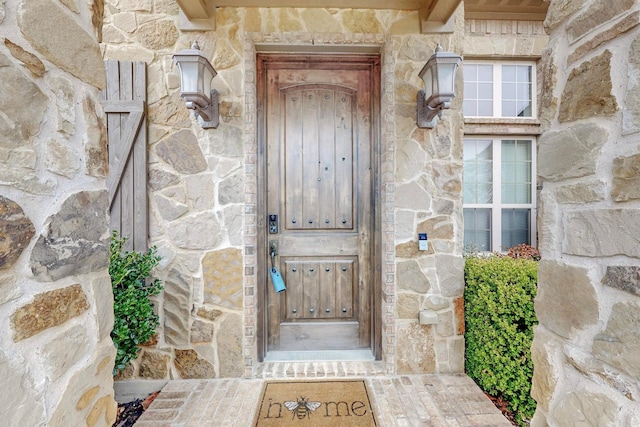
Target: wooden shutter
<point x="124" y="102"/>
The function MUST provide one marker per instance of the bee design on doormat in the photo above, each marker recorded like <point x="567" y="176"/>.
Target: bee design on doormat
<point x="302" y="407"/>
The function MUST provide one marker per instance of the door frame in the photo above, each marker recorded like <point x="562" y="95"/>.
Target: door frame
<point x="262" y="266"/>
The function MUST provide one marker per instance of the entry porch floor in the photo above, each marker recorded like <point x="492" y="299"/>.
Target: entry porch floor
<point x="399" y="400"/>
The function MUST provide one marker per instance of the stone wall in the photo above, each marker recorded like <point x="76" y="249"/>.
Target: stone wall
<point x="203" y="185"/>
<point x="586" y="348"/>
<point x="56" y="355"/>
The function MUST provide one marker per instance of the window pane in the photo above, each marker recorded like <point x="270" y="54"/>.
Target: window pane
<point x="523" y="193"/>
<point x="524" y="91"/>
<point x="478" y="89"/>
<point x="516" y="171"/>
<point x="470" y="72"/>
<point x="508" y="171"/>
<point x="509" y="91"/>
<point x="485" y="91"/>
<point x="485" y="72"/>
<point x="516" y="227"/>
<point x="478" y="171"/>
<point x="517" y="91"/>
<point x="523" y="175"/>
<point x="484" y="193"/>
<point x="524" y="72"/>
<point x="523" y="109"/>
<point x="523" y="150"/>
<point x="470" y="107"/>
<point x="485" y="171"/>
<point x="509" y="109"/>
<point x="508" y="193"/>
<point x="477" y="229"/>
<point x="485" y="108"/>
<point x="509" y="73"/>
<point x="508" y="150"/>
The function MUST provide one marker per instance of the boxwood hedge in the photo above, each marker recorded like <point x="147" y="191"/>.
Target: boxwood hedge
<point x="499" y="316"/>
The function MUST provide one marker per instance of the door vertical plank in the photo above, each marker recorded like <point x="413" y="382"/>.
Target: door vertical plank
<point x="139" y="164"/>
<point x="362" y="115"/>
<point x="294" y="308"/>
<point x="126" y="180"/>
<point x="293" y="152"/>
<point x="326" y="136"/>
<point x="311" y="292"/>
<point x="328" y="289"/>
<point x="344" y="161"/>
<point x="275" y="148"/>
<point x="114" y="131"/>
<point x="275" y="156"/>
<point x="310" y="159"/>
<point x="344" y="289"/>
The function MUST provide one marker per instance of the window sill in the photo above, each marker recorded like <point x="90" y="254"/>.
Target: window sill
<point x="501" y="126"/>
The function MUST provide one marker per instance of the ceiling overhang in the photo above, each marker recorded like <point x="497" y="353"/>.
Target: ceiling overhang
<point x="513" y="10"/>
<point x="435" y="15"/>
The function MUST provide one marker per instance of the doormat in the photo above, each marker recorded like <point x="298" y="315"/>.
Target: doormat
<point x="315" y="403"/>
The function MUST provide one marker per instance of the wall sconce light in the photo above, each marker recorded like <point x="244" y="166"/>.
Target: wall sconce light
<point x="439" y="77"/>
<point x="196" y="74"/>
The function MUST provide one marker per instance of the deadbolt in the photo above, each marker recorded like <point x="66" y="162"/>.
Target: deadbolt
<point x="273" y="224"/>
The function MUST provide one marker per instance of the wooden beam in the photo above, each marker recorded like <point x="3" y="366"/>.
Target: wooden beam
<point x="505" y="15"/>
<point x="194" y="9"/>
<point x="436" y="16"/>
<point x="512" y="10"/>
<point x="351" y="4"/>
<point x="197" y="15"/>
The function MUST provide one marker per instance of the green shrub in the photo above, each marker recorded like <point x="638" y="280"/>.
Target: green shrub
<point x="499" y="315"/>
<point x="133" y="285"/>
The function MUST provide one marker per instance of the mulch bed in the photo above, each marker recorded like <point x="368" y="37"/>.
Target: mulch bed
<point x="128" y="413"/>
<point x="503" y="405"/>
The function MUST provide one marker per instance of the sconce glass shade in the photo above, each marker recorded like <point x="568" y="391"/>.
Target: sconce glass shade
<point x="196" y="74"/>
<point x="438" y="74"/>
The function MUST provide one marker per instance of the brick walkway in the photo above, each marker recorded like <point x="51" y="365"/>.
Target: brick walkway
<point x="402" y="400"/>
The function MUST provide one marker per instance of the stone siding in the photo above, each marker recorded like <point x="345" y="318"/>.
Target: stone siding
<point x="56" y="356"/>
<point x="586" y="346"/>
<point x="203" y="185"/>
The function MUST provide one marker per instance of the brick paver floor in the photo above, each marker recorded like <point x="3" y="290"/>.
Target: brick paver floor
<point x="399" y="400"/>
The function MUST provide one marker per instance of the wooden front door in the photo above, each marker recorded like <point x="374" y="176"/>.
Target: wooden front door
<point x="319" y="179"/>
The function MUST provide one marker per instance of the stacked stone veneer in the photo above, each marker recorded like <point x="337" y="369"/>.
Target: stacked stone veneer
<point x="587" y="347"/>
<point x="203" y="185"/>
<point x="56" y="356"/>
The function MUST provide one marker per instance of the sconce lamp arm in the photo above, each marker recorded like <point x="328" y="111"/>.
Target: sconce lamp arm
<point x="207" y="113"/>
<point x="428" y="115"/>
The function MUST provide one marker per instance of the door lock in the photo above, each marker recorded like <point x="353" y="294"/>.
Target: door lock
<point x="273" y="247"/>
<point x="273" y="224"/>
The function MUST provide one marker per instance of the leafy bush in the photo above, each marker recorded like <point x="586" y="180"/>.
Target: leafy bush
<point x="133" y="285"/>
<point x="500" y="317"/>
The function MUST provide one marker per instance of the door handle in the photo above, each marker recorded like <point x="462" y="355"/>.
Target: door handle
<point x="273" y="248"/>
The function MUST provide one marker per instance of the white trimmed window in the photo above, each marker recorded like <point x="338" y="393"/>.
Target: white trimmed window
<point x="499" y="192"/>
<point x="499" y="89"/>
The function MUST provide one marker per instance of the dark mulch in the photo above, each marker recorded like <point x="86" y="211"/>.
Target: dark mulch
<point x="503" y="405"/>
<point x="128" y="413"/>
